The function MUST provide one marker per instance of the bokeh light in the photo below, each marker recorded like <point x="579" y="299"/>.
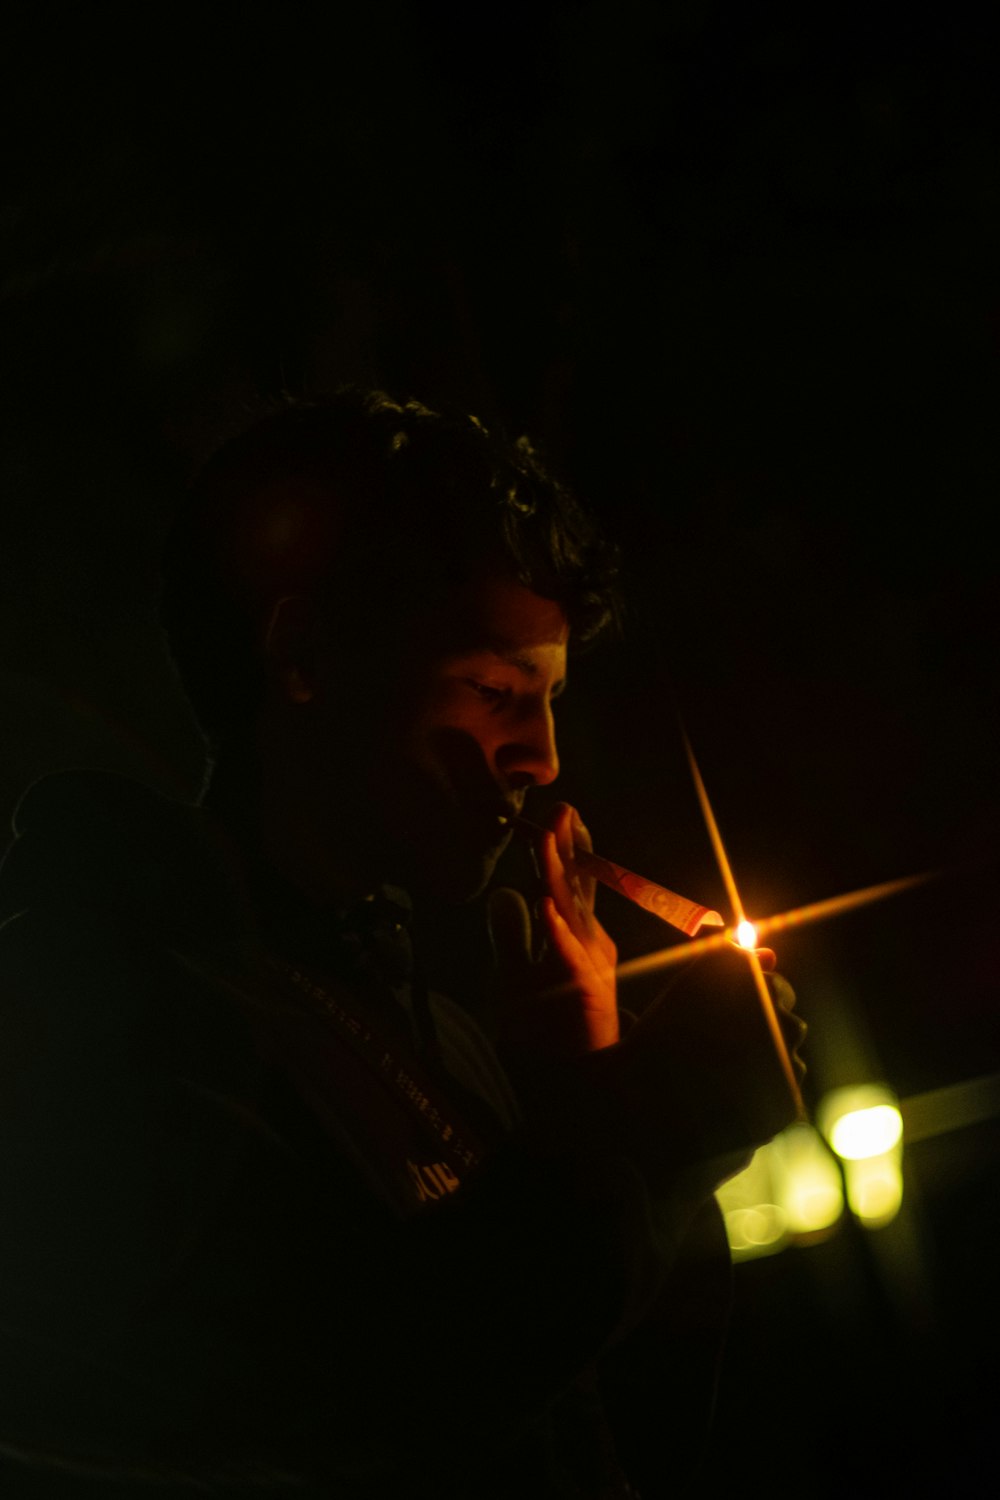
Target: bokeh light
<point x="867" y="1132"/>
<point x="864" y="1126"/>
<point x="792" y="1192"/>
<point x="808" y="1182"/>
<point x="874" y="1188"/>
<point x="756" y="1223"/>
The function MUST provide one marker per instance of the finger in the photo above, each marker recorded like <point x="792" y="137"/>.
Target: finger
<point x="781" y="991"/>
<point x="571" y="837"/>
<point x="564" y="890"/>
<point x="582" y="840"/>
<point x="562" y="821"/>
<point x="573" y="893"/>
<point x="794" y="1043"/>
<point x="579" y="962"/>
<point x="570" y="830"/>
<point x="767" y="958"/>
<point x="793" y="1028"/>
<point x="590" y="964"/>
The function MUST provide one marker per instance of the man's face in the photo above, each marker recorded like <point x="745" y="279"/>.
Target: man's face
<point x="475" y="731"/>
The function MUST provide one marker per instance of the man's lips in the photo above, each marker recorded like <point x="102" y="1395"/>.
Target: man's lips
<point x="493" y="821"/>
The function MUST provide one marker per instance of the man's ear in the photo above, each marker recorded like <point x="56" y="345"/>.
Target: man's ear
<point x="290" y="648"/>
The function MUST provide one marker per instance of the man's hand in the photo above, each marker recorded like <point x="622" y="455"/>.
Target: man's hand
<point x="557" y="996"/>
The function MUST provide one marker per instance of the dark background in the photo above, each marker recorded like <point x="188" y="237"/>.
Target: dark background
<point x="734" y="268"/>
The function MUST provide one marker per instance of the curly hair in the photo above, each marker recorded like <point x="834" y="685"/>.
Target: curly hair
<point x="352" y="498"/>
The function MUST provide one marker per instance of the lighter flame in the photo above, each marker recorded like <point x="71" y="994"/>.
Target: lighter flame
<point x="746" y="935"/>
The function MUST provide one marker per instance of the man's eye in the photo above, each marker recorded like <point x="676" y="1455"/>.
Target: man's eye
<point x="484" y="691"/>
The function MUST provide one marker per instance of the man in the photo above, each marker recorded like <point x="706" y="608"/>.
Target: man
<point x="285" y="1222"/>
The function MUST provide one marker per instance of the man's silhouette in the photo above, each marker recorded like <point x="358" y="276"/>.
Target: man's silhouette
<point x="278" y="1219"/>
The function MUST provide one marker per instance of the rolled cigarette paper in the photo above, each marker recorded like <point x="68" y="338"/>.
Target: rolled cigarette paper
<point x="687" y="916"/>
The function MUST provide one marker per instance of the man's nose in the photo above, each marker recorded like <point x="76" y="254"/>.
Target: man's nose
<point x="530" y="756"/>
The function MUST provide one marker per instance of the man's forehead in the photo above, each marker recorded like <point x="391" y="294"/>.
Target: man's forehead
<point x="505" y="617"/>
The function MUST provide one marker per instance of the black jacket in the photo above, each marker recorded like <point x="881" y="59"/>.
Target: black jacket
<point x="225" y="1265"/>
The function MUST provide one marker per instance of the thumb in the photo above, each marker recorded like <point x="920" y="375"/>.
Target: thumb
<point x="509" y="924"/>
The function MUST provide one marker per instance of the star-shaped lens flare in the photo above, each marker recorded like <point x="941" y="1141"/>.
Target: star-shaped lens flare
<point x="817" y="911"/>
<point x="745" y="936"/>
<point x="689" y="917"/>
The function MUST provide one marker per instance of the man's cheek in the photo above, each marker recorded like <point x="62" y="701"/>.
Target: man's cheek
<point x="460" y="760"/>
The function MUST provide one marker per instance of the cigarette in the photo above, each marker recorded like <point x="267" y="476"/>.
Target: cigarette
<point x="686" y="916"/>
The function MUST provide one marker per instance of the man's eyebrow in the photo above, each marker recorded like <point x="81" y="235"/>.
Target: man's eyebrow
<point x="527" y="666"/>
<point x="516" y="659"/>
